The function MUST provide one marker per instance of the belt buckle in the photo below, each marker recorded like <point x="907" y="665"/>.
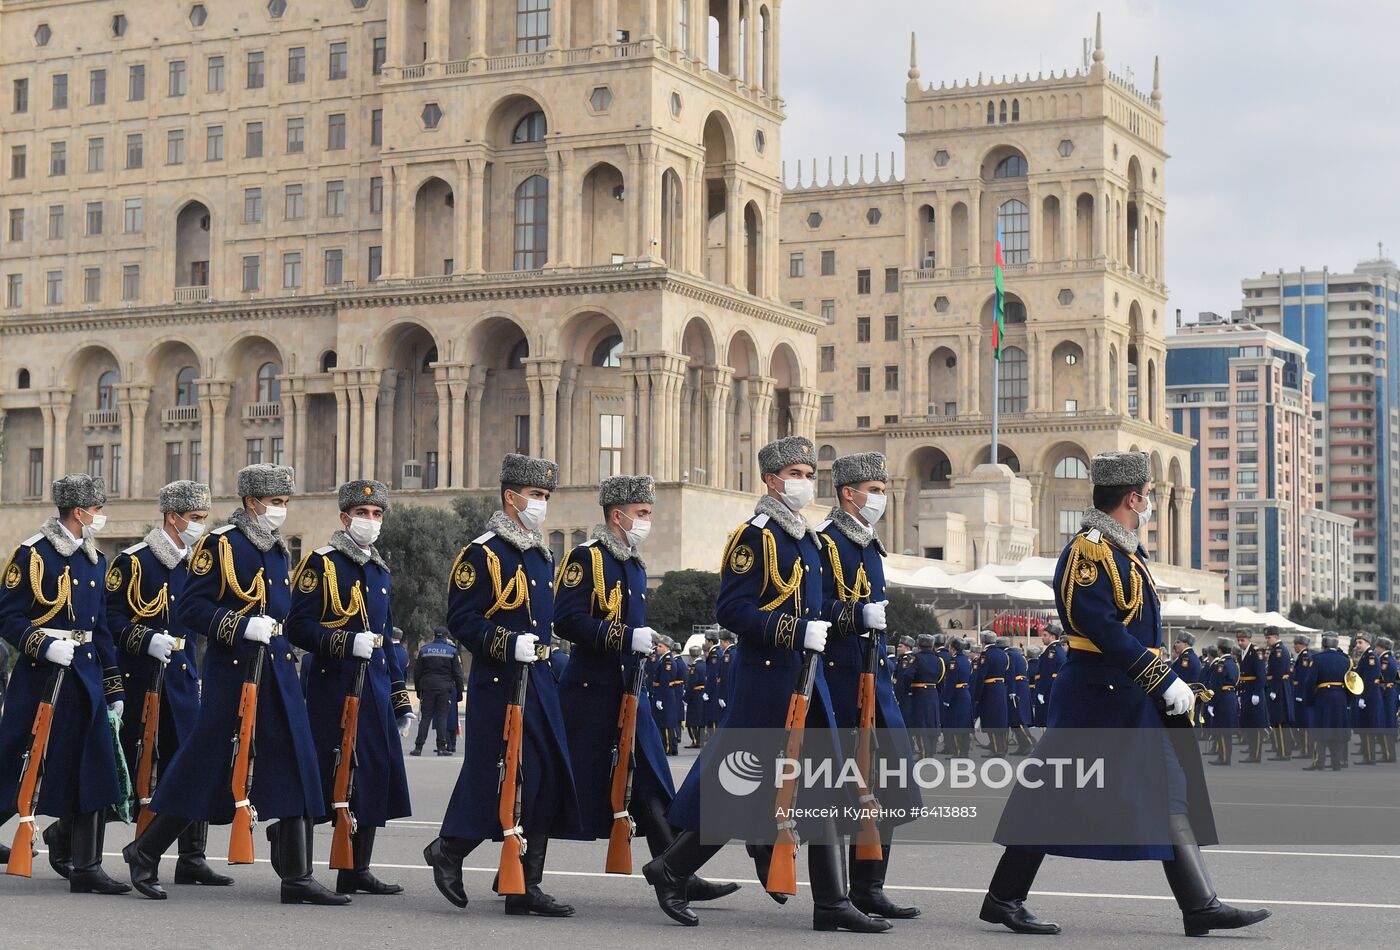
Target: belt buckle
<point x="178" y="645"/>
<point x="378" y="641"/>
<point x="81" y="637"/>
<point x="541" y="651"/>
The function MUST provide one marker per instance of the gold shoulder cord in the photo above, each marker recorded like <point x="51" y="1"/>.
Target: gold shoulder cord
<point x="254" y="596"/>
<point x="511" y="595"/>
<point x="63" y="598"/>
<point x="610" y="603"/>
<point x="1101" y="555"/>
<point x="785" y="588"/>
<point x="339" y="613"/>
<point x="145" y="609"/>
<point x="860" y="590"/>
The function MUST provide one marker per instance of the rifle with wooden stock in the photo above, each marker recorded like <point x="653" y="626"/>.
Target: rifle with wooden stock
<point x="867" y="842"/>
<point x="240" y="843"/>
<point x="511" y="874"/>
<point x="31" y="775"/>
<point x="342" y="853"/>
<point x="146" y="749"/>
<point x="624" y="766"/>
<point x="782" y="870"/>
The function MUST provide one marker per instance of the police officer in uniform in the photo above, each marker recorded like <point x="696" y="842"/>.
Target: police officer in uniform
<point x="601" y="608"/>
<point x="1389" y="677"/>
<point x="1115" y="678"/>
<point x="144" y="585"/>
<point x="1279" y="685"/>
<point x="1254" y="710"/>
<point x="771" y="596"/>
<point x="853" y="600"/>
<point x="439" y="681"/>
<point x="1302" y="719"/>
<point x="1052" y="657"/>
<point x="238" y="596"/>
<point x="501" y="608"/>
<point x="1366" y="710"/>
<point x="52" y="611"/>
<point x="341" y="615"/>
<point x="989" y="693"/>
<point x="695" y="696"/>
<point x="1324" y="685"/>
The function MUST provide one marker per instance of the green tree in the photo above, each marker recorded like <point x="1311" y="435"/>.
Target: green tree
<point x="905" y="618"/>
<point x="684" y="599"/>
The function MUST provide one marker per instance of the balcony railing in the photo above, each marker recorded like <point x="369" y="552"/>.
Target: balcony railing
<point x="180" y="415"/>
<point x="262" y="411"/>
<point x="102" y="418"/>
<point x="195" y="294"/>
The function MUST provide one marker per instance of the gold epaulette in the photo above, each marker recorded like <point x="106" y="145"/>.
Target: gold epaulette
<point x="1090" y="555"/>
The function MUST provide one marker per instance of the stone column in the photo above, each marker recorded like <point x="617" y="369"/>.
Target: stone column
<point x="456" y="461"/>
<point x="354" y="459"/>
<point x="645" y="396"/>
<point x="751" y="29"/>
<point x="974" y="227"/>
<point x="760" y="405"/>
<point x="729" y="63"/>
<point x="439" y="27"/>
<point x="630" y="374"/>
<point x="695" y="204"/>
<point x="477" y="44"/>
<point x="555" y="252"/>
<point x="398" y="32"/>
<point x="774" y="48"/>
<point x="715" y="383"/>
<point x="476" y="224"/>
<point x="806" y="403"/>
<point x="401" y="238"/>
<point x="632" y="206"/>
<point x="733" y="233"/>
<point x="549" y="394"/>
<point x="445" y="425"/>
<point x="568" y="202"/>
<point x="342" y="427"/>
<point x="568" y="376"/>
<point x="124" y="423"/>
<point x="898" y="489"/>
<point x="299" y="400"/>
<point x="1040" y="371"/>
<point x="650" y="237"/>
<point x="649" y="30"/>
<point x="1185" y="496"/>
<point x="532" y="385"/>
<point x="219" y="393"/>
<point x="382" y="386"/>
<point x="561" y="30"/>
<point x="475" y="387"/>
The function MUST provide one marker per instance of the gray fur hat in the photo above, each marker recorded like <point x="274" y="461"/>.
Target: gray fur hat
<point x="79" y="490"/>
<point x="1303" y="640"/>
<point x="987" y="637"/>
<point x="185" y="496"/>
<point x="1223" y="644"/>
<point x="726" y="636"/>
<point x="1385" y="643"/>
<point x="1120" y="468"/>
<point x="1361" y="635"/>
<point x="857" y="468"/>
<point x="364" y="491"/>
<point x="627" y="490"/>
<point x="264" y="480"/>
<point x="925" y="641"/>
<point x="780" y="453"/>
<point x="529" y="472"/>
<point x="907" y="642"/>
<point x="1329" y="641"/>
<point x="1004" y="642"/>
<point x="1186" y="638"/>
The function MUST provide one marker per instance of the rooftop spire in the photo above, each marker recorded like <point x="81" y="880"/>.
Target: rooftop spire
<point x="913" y="57"/>
<point x="1156" y="79"/>
<point x="1098" y="37"/>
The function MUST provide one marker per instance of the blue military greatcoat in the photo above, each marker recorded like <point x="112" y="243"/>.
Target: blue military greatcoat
<point x="1018" y="689"/>
<point x="1045" y="675"/>
<point x="990" y="687"/>
<point x="1302" y="663"/>
<point x="1325" y="687"/>
<point x="1253" y="677"/>
<point x="1279" y="682"/>
<point x="1366" y="709"/>
<point x="696" y="686"/>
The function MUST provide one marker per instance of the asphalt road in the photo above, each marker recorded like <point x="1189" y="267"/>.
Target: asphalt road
<point x="1321" y="895"/>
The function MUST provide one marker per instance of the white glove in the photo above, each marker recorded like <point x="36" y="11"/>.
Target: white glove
<point x="705" y="697"/>
<point x="1179" y="698"/>
<point x="1041" y="698"/>
<point x="406" y="722"/>
<point x="117" y="707"/>
<point x="362" y="647"/>
<point x="1211" y="710"/>
<point x="60" y="652"/>
<point x="525" y="648"/>
<point x="1273" y="695"/>
<point x="1254" y="700"/>
<point x="873" y="615"/>
<point x="1361" y="704"/>
<point x="658" y="706"/>
<point x="643" y="638"/>
<point x="721" y="704"/>
<point x="815" y="637"/>
<point x="259" y="629"/>
<point x="160" y="646"/>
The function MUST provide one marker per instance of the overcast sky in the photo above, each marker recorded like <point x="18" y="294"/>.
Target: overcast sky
<point x="1283" y="119"/>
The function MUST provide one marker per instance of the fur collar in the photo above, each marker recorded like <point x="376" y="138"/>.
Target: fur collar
<point x="623" y="552"/>
<point x="164" y="549"/>
<point x="1129" y="541"/>
<point x="787" y="519"/>
<point x="260" y="537"/>
<point x="859" y="534"/>
<point x="516" y="536"/>
<point x="343" y="543"/>
<point x="63" y="544"/>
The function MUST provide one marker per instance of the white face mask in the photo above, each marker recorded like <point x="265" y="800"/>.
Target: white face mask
<point x="533" y="514"/>
<point x="638" y="532"/>
<point x="363" y="531"/>
<point x="874" y="508"/>
<point x="191" y="533"/>
<point x="98" y="523"/>
<point x="272" y="517"/>
<point x="1145" y="515"/>
<point x="798" y="492"/>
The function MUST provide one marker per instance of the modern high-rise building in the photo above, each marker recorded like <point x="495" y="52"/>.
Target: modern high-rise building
<point x="1070" y="169"/>
<point x="396" y="238"/>
<point x="1244" y="395"/>
<point x="1350" y="325"/>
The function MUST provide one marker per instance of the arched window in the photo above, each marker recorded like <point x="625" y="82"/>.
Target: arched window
<point x="1015" y="110"/>
<point x="1014" y="225"/>
<point x="532" y="128"/>
<point x="531" y="223"/>
<point x="991" y="113"/>
<point x="1015" y="311"/>
<point x="1015" y="380"/>
<point x="518" y="354"/>
<point x="1012" y="166"/>
<point x="328" y="361"/>
<point x="23" y="381"/>
<point x="608" y="353"/>
<point x="827" y="453"/>
<point x="184" y="386"/>
<point x="269" y="388"/>
<point x="1002" y="113"/>
<point x="429" y="358"/>
<point x="1071" y="466"/>
<point x="942" y="471"/>
<point x="106" y="391"/>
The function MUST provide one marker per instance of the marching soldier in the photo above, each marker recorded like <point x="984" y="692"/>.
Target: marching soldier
<point x="853" y="600"/>
<point x="1254" y="711"/>
<point x="341" y="616"/>
<point x="771" y="596"/>
<point x="713" y="711"/>
<point x="1115" y="678"/>
<point x="1366" y="708"/>
<point x="676" y="703"/>
<point x="1225" y="707"/>
<point x="601" y="608"/>
<point x="929" y="672"/>
<point x="1279" y="680"/>
<point x="501" y="607"/>
<point x="145" y="583"/>
<point x="1389" y="677"/>
<point x="1329" y="721"/>
<point x="903" y="693"/>
<point x="957" y="700"/>
<point x="663" y="676"/>
<point x="52" y="611"/>
<point x="695" y="697"/>
<point x="989" y="693"/>
<point x="1018" y="696"/>
<point x="1051" y="659"/>
<point x="1206" y="711"/>
<point x="238" y="596"/>
<point x="724" y="678"/>
<point x="1186" y="663"/>
<point x="939" y="743"/>
<point x="1302" y="715"/>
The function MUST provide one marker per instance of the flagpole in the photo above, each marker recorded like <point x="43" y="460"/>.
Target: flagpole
<point x="996" y="400"/>
<point x="998" y="327"/>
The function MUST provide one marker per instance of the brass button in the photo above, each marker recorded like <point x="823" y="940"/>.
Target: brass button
<point x="184" y="666"/>
<point x="495" y="679"/>
<point x="534" y="623"/>
<point x="127" y="675"/>
<point x="805" y="567"/>
<point x="533" y="582"/>
<point x="289" y="656"/>
<point x="767" y="662"/>
<point x="286" y="582"/>
<point x="235" y="662"/>
<point x="830" y="662"/>
<point x="384" y="590"/>
<point x="585" y="685"/>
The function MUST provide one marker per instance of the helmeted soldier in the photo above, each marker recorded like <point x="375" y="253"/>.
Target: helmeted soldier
<point x="52" y="612"/>
<point x="341" y="615"/>
<point x="501" y="608"/>
<point x="1115" y="681"/>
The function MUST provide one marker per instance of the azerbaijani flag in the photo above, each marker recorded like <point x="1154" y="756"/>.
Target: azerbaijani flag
<point x="999" y="315"/>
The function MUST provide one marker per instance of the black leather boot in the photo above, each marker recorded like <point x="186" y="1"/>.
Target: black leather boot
<point x="4" y="854"/>
<point x="831" y="907"/>
<point x="274" y="839"/>
<point x="1201" y="910"/>
<point x="1006" y="895"/>
<point x="534" y="900"/>
<point x="361" y="879"/>
<point x="669" y="872"/>
<point x="762" y="855"/>
<point x="56" y="837"/>
<point x="143" y="855"/>
<point x="650" y="816"/>
<point x="868" y="889"/>
<point x="298" y="886"/>
<point x="192" y="868"/>
<point x="445" y="857"/>
<point x="87" y="877"/>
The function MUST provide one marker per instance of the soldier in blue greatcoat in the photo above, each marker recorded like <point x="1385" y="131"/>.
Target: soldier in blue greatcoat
<point x="1390" y="692"/>
<point x="695" y="698"/>
<point x="1153" y="803"/>
<point x="957" y="699"/>
<point x="501" y="608"/>
<point x="1329" y="720"/>
<point x="341" y="616"/>
<point x="713" y="656"/>
<point x="1224" y="707"/>
<point x="145" y="584"/>
<point x="1302" y="718"/>
<point x="666" y="675"/>
<point x="1187" y="664"/>
<point x="1018" y="696"/>
<point x="989" y="679"/>
<point x="927" y="676"/>
<point x="1254" y="706"/>
<point x="1278" y="690"/>
<point x="1366" y="709"/>
<point x="771" y="596"/>
<point x="52" y="612"/>
<point x="237" y="597"/>
<point x="1052" y="657"/>
<point x="600" y="607"/>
